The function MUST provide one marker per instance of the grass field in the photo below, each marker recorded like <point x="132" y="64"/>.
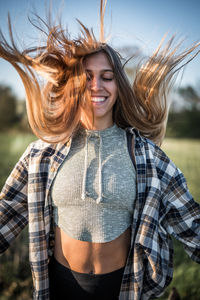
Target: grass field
<point x="184" y="153"/>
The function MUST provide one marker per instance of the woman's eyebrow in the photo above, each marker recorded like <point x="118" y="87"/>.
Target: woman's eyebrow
<point x="103" y="70"/>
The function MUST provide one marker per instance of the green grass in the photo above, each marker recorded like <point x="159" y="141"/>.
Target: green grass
<point x="184" y="153"/>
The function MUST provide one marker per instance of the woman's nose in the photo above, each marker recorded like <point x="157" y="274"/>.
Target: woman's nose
<point x="95" y="84"/>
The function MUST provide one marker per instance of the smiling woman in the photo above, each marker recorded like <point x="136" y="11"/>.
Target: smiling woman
<point x="100" y="197"/>
<point x="103" y="91"/>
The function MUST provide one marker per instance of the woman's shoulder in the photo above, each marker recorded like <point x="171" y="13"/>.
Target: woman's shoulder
<point x="154" y="154"/>
<point x="42" y="145"/>
<point x="149" y="145"/>
<point x="39" y="148"/>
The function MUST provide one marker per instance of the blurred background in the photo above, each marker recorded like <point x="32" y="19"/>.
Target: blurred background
<point x="131" y="26"/>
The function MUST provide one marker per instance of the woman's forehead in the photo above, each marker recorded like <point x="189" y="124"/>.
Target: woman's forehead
<point x="97" y="61"/>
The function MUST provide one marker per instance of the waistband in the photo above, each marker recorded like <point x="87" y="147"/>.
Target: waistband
<point x="114" y="273"/>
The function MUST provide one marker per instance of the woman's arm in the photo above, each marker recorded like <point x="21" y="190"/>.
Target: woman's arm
<point x="13" y="203"/>
<point x="182" y="219"/>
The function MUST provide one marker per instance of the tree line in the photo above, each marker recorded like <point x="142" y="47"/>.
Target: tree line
<point x="183" y="120"/>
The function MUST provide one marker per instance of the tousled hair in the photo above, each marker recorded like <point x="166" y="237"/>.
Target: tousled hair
<point x="54" y="105"/>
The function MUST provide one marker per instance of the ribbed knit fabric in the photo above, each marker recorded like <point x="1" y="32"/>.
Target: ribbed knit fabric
<point x="94" y="190"/>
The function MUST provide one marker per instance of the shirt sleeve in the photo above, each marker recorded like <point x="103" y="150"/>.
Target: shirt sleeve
<point x="182" y="215"/>
<point x="13" y="203"/>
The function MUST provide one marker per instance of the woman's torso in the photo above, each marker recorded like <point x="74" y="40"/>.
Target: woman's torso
<point x="88" y="257"/>
<point x="100" y="250"/>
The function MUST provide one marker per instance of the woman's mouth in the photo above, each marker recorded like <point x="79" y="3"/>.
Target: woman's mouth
<point x="98" y="100"/>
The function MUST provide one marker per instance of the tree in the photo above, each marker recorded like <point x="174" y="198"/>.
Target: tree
<point x="191" y="96"/>
<point x="186" y="121"/>
<point x="8" y="113"/>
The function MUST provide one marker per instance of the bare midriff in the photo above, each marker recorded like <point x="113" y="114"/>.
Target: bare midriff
<point x="89" y="257"/>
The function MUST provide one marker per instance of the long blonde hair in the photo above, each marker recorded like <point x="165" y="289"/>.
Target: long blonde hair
<point x="54" y="106"/>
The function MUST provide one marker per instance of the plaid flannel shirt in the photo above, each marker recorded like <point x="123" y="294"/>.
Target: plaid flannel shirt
<point x="163" y="206"/>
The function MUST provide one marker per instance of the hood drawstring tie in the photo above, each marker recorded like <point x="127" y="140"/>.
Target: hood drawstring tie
<point x="83" y="194"/>
<point x="100" y="170"/>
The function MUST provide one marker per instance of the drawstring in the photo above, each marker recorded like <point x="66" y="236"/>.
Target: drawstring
<point x="83" y="194"/>
<point x="85" y="170"/>
<point x="100" y="171"/>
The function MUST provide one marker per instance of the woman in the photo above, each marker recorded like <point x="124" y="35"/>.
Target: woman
<point x="100" y="197"/>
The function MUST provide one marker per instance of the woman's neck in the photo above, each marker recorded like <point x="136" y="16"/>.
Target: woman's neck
<point x="97" y="124"/>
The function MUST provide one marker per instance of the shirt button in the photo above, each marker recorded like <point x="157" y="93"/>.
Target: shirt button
<point x="52" y="169"/>
<point x="68" y="143"/>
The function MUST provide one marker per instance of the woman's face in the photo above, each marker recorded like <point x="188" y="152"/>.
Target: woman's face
<point x="103" y="91"/>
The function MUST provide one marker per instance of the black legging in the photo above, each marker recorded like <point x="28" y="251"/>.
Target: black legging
<point x="66" y="284"/>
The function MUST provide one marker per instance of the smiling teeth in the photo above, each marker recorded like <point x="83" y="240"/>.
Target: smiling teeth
<point x="97" y="99"/>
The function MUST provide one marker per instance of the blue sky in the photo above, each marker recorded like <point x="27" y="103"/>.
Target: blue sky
<point x="142" y="23"/>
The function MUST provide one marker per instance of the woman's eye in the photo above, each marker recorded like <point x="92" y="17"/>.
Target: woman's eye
<point x="107" y="79"/>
